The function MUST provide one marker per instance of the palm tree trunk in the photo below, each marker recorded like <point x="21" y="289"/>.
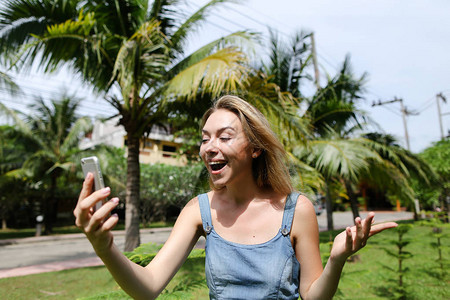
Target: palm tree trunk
<point x="132" y="237"/>
<point x="329" y="207"/>
<point x="50" y="207"/>
<point x="352" y="198"/>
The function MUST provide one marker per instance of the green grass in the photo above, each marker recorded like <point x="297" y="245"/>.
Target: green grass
<point x="366" y="278"/>
<point x="67" y="284"/>
<point x="369" y="278"/>
<point x="30" y="232"/>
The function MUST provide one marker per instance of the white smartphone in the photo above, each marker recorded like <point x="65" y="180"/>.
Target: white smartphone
<point x="91" y="164"/>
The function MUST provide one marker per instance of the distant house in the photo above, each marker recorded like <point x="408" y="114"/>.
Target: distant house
<point x="159" y="146"/>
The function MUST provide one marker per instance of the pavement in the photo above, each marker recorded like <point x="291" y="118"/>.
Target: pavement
<point x="33" y="255"/>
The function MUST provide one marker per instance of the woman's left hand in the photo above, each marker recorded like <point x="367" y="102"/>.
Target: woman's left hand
<point x="354" y="238"/>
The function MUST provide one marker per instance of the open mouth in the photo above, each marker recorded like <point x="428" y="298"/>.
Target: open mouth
<point x="217" y="165"/>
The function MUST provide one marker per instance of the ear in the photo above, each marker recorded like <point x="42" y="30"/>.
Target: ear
<point x="256" y="153"/>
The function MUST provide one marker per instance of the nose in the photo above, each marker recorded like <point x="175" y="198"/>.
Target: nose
<point x="209" y="148"/>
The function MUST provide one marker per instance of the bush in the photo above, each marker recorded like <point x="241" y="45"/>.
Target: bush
<point x="166" y="189"/>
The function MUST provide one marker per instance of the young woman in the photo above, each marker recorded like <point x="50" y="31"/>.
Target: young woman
<point x="262" y="238"/>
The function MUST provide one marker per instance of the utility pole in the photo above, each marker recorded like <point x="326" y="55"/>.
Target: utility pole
<point x="404" y="111"/>
<point x="314" y="58"/>
<point x="440" y="95"/>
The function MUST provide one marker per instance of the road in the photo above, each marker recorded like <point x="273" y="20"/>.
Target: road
<point x="40" y="254"/>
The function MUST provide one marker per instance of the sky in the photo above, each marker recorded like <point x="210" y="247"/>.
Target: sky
<point x="402" y="45"/>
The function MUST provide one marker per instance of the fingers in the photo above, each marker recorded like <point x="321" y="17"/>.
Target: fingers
<point x="110" y="223"/>
<point x="367" y="224"/>
<point x="363" y="229"/>
<point x="348" y="239"/>
<point x="86" y="190"/>
<point x="95" y="197"/>
<point x="380" y="227"/>
<point x="83" y="212"/>
<point x="84" y="205"/>
<point x="87" y="186"/>
<point x="359" y="236"/>
<point x="99" y="218"/>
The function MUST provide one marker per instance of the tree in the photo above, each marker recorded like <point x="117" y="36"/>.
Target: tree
<point x="438" y="157"/>
<point x="52" y="135"/>
<point x="134" y="51"/>
<point x="334" y="117"/>
<point x="336" y="159"/>
<point x="288" y="63"/>
<point x="335" y="106"/>
<point x="13" y="152"/>
<point x="395" y="172"/>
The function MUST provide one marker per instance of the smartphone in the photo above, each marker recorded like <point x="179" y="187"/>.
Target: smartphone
<point x="91" y="164"/>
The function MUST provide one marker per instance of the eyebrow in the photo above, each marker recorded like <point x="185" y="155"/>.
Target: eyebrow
<point x="220" y="129"/>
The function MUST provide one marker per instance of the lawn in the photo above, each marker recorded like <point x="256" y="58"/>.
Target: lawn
<point x="30" y="232"/>
<point x="367" y="277"/>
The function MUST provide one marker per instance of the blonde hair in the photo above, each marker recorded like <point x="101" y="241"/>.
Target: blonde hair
<point x="269" y="168"/>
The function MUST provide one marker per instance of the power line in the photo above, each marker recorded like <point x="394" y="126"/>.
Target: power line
<point x="28" y="99"/>
<point x="268" y="17"/>
<point x="426" y="104"/>
<point x="404" y="111"/>
<point x="256" y="21"/>
<point x="427" y="107"/>
<point x="392" y="111"/>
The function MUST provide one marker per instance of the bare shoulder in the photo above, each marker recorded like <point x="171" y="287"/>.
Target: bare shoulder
<point x="189" y="219"/>
<point x="305" y="220"/>
<point x="304" y="207"/>
<point x="192" y="210"/>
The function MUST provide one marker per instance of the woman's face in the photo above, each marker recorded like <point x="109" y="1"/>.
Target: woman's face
<point x="225" y="149"/>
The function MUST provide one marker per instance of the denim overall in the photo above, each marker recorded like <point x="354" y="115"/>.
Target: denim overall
<point x="263" y="271"/>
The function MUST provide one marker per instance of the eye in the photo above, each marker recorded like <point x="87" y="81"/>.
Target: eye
<point x="204" y="140"/>
<point x="224" y="139"/>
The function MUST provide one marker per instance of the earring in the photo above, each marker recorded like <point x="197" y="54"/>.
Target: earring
<point x="254" y="155"/>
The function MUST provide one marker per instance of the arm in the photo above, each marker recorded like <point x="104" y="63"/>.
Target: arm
<point x="137" y="281"/>
<point x="316" y="283"/>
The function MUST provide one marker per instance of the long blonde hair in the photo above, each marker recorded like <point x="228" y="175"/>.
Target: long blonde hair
<point x="269" y="168"/>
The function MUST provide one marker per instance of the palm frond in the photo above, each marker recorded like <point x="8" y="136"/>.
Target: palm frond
<point x="20" y="124"/>
<point x="140" y="59"/>
<point x="178" y="38"/>
<point x="71" y="140"/>
<point x="388" y="177"/>
<point x="20" y="19"/>
<point x="280" y="108"/>
<point x="8" y="84"/>
<point x="66" y="166"/>
<point x="344" y="158"/>
<point x="221" y="72"/>
<point x="306" y="178"/>
<point x="240" y="39"/>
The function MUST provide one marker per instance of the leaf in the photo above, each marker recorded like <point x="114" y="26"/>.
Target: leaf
<point x="220" y="72"/>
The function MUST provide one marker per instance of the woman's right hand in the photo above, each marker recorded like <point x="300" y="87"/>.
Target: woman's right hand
<point x="96" y="225"/>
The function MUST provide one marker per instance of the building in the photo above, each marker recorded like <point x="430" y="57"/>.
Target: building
<point x="159" y="146"/>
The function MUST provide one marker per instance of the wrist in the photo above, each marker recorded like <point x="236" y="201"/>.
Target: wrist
<point x="338" y="260"/>
<point x="103" y="249"/>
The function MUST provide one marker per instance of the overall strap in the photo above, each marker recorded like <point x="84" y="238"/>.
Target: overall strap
<point x="289" y="210"/>
<point x="205" y="211"/>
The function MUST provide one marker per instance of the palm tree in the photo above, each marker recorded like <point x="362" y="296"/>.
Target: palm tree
<point x="288" y="63"/>
<point x="336" y="159"/>
<point x="398" y="165"/>
<point x="13" y="152"/>
<point x="52" y="135"/>
<point x="134" y="51"/>
<point x="334" y="107"/>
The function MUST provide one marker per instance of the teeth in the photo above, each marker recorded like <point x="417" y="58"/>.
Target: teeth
<point x="217" y="162"/>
